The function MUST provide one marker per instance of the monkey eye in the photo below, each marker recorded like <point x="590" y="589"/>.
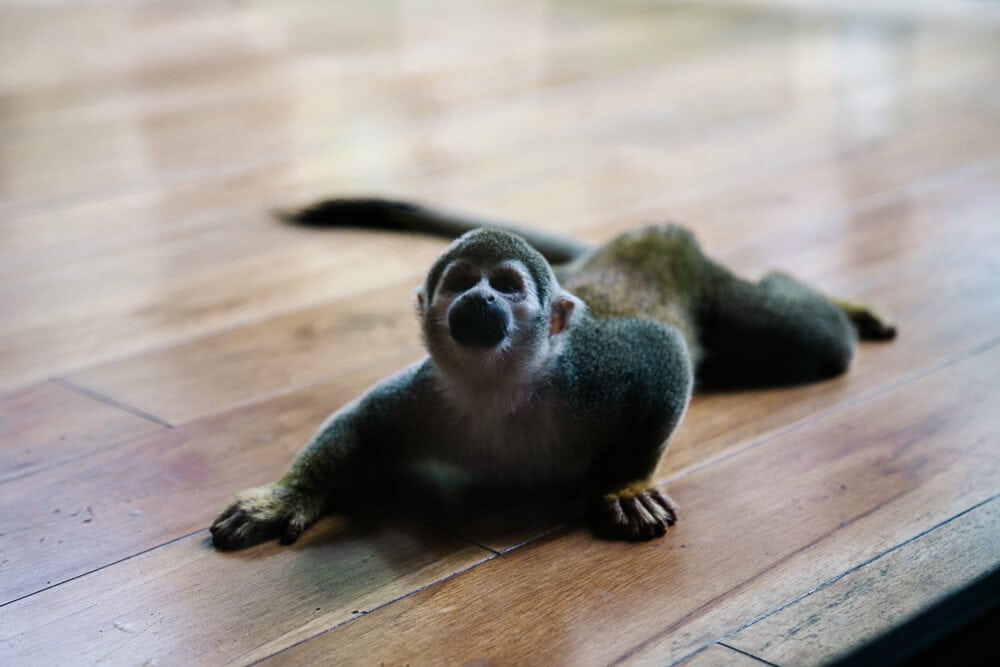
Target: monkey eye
<point x="507" y="282"/>
<point x="459" y="281"/>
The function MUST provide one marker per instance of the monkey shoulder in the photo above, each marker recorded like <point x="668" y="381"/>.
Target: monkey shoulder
<point x="625" y="363"/>
<point x="399" y="406"/>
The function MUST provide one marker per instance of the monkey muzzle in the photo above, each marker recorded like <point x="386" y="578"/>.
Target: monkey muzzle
<point x="478" y="320"/>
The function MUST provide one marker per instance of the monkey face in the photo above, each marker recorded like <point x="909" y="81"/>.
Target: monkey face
<point x="481" y="304"/>
<point x="482" y="311"/>
<point x="492" y="312"/>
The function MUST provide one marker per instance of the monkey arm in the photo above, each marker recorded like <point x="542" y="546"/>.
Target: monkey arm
<point x="355" y="445"/>
<point x="638" y="387"/>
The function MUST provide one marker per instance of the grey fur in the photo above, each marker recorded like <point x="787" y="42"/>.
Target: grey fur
<point x="586" y="386"/>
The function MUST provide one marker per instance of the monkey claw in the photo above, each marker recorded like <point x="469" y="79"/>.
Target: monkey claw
<point x="634" y="515"/>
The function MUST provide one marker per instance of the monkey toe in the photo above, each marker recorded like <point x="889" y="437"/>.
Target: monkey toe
<point x="238" y="529"/>
<point x="662" y="505"/>
<point x="636" y="516"/>
<point x="872" y="327"/>
<point x="868" y="322"/>
<point x="291" y="532"/>
<point x="258" y="515"/>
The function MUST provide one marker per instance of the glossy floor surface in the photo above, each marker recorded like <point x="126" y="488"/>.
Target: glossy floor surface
<point x="165" y="342"/>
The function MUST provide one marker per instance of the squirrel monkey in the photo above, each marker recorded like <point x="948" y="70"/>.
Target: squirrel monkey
<point x="535" y="375"/>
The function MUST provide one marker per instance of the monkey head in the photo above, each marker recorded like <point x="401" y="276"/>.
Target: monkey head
<point x="491" y="303"/>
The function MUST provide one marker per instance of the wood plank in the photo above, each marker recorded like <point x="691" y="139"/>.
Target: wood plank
<point x="47" y="424"/>
<point x="195" y="280"/>
<point x="879" y="595"/>
<point x="720" y="26"/>
<point x="212" y="270"/>
<point x="726" y="211"/>
<point x="718" y="655"/>
<point x="758" y="530"/>
<point x="932" y="138"/>
<point x="285" y="269"/>
<point x="947" y="213"/>
<point x="188" y="603"/>
<point x="854" y="145"/>
<point x="971" y="15"/>
<point x="68" y="520"/>
<point x="255" y="361"/>
<point x="153" y="139"/>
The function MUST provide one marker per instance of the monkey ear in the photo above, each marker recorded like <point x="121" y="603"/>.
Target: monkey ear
<point x="419" y="301"/>
<point x="563" y="307"/>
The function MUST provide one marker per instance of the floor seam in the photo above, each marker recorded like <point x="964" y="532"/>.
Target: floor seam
<point x="111" y="401"/>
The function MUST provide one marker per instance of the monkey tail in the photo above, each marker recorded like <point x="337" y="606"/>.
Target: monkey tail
<point x="374" y="213"/>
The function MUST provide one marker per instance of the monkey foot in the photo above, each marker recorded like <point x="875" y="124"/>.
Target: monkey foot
<point x="872" y="326"/>
<point x="263" y="513"/>
<point x="634" y="514"/>
<point x="869" y="323"/>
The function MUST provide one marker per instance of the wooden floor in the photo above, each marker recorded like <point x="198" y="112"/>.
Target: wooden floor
<point x="164" y="342"/>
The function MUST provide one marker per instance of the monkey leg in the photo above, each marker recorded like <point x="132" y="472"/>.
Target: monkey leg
<point x="265" y="512"/>
<point x="777" y="331"/>
<point x="623" y="502"/>
<point x="651" y="390"/>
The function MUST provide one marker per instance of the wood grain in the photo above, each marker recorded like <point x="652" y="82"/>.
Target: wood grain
<point x="186" y="602"/>
<point x="181" y="287"/>
<point x="147" y="492"/>
<point x="718" y="655"/>
<point x="880" y="594"/>
<point x="293" y="350"/>
<point x="758" y="529"/>
<point x="48" y="424"/>
<point x="142" y="146"/>
<point x="218" y="211"/>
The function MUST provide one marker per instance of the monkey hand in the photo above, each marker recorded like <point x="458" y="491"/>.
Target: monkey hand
<point x="636" y="512"/>
<point x="263" y="513"/>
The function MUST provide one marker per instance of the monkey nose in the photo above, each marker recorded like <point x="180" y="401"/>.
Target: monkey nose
<point x="478" y="321"/>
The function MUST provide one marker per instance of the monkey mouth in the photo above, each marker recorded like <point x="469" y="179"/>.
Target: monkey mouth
<point x="479" y="338"/>
<point x="477" y="323"/>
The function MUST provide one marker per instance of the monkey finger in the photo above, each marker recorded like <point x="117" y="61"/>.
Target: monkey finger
<point x="641" y="522"/>
<point x="668" y="505"/>
<point x="291" y="533"/>
<point x="870" y="326"/>
<point x="661" y="513"/>
<point x="222" y="528"/>
<point x="240" y="529"/>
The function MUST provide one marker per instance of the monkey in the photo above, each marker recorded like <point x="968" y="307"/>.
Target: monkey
<point x="550" y="361"/>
